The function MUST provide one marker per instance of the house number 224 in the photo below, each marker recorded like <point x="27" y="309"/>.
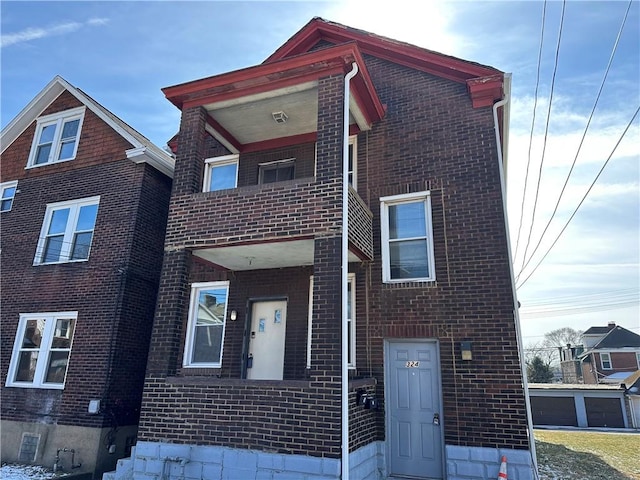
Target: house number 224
<point x="412" y="364"/>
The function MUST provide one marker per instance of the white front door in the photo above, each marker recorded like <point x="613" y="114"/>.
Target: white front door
<point x="266" y="340"/>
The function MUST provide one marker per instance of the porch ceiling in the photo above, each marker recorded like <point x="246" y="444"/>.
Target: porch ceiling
<point x="264" y="255"/>
<point x="241" y="104"/>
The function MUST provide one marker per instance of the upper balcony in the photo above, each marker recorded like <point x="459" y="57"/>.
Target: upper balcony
<point x="278" y="185"/>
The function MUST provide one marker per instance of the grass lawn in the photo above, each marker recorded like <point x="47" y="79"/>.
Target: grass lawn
<point x="587" y="455"/>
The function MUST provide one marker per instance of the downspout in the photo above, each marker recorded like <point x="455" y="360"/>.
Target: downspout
<point x="504" y="102"/>
<point x="344" y="401"/>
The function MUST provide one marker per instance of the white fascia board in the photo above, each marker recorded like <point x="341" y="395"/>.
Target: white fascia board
<point x="29" y="113"/>
<point x="145" y="155"/>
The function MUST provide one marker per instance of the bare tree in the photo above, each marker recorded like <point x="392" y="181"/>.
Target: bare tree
<point x="548" y="355"/>
<point x="562" y="336"/>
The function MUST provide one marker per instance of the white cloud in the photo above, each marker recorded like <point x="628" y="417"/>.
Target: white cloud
<point x="32" y="33"/>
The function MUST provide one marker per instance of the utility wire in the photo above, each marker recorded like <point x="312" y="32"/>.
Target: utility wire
<point x="583" y="198"/>
<point x="533" y="122"/>
<point x="584" y="134"/>
<point x="546" y="131"/>
<point x="579" y="299"/>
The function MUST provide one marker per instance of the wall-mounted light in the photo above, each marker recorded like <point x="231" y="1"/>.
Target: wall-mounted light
<point x="465" y="350"/>
<point x="233" y="315"/>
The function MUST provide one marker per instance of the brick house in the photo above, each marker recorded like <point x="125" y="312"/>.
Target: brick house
<point x="257" y="322"/>
<point x="608" y="355"/>
<point x="84" y="206"/>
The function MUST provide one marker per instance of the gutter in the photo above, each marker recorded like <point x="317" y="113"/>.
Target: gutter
<point x="344" y="400"/>
<point x="516" y="313"/>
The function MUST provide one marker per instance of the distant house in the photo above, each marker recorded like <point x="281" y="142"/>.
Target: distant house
<point x="608" y="355"/>
<point x="284" y="347"/>
<point x="84" y="207"/>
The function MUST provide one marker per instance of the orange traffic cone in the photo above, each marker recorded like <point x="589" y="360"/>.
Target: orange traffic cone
<point x="503" y="468"/>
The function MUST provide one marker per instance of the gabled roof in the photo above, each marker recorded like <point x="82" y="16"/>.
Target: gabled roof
<point x="143" y="149"/>
<point x="597" y="330"/>
<point x="484" y="82"/>
<point x="618" y="337"/>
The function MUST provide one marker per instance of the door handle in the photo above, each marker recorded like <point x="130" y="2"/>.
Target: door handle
<point x="436" y="419"/>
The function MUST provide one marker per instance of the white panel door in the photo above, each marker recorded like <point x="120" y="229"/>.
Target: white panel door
<point x="266" y="340"/>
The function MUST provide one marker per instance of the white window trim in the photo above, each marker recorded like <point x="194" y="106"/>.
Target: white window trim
<point x="58" y="119"/>
<point x="638" y="359"/>
<point x="212" y="162"/>
<point x="602" y="361"/>
<point x="352" y="322"/>
<point x="353" y="140"/>
<point x="385" y="202"/>
<point x="191" y="324"/>
<point x="45" y="350"/>
<point x="4" y="186"/>
<point x="69" y="231"/>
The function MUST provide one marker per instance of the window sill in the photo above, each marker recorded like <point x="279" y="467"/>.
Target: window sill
<point x="29" y="167"/>
<point x="63" y="262"/>
<point x="35" y="386"/>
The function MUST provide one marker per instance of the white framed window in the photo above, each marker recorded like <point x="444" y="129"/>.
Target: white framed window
<point x="353" y="161"/>
<point x="351" y="321"/>
<point x="7" y="193"/>
<point x="205" y="331"/>
<point x="278" y="171"/>
<point x="41" y="350"/>
<point x="56" y="138"/>
<point x="67" y="231"/>
<point x="638" y="359"/>
<point x="605" y="361"/>
<point x="407" y="238"/>
<point x="220" y="173"/>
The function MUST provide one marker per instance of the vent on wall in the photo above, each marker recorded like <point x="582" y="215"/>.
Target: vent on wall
<point x="29" y="447"/>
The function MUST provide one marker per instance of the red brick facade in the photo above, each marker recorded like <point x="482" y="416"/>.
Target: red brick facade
<point x="114" y="291"/>
<point x="431" y="138"/>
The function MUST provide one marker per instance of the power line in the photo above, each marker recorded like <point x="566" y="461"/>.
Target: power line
<point x="546" y="132"/>
<point x="553" y="301"/>
<point x="583" y="198"/>
<point x="533" y="122"/>
<point x="584" y="134"/>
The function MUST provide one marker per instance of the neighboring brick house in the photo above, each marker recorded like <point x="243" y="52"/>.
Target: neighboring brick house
<point x="244" y="374"/>
<point x="84" y="207"/>
<point x="608" y="355"/>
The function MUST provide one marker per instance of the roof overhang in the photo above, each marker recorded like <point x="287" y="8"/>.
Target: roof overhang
<point x="411" y="56"/>
<point x="241" y="104"/>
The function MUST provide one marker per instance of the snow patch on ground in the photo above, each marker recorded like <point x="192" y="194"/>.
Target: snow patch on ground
<point x="26" y="472"/>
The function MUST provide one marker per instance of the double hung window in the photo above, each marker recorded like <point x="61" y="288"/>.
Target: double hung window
<point x="205" y="334"/>
<point x="278" y="171"/>
<point x="41" y="350"/>
<point x="67" y="231"/>
<point x="56" y="138"/>
<point x="220" y="173"/>
<point x="7" y="192"/>
<point x="605" y="360"/>
<point x="407" y="240"/>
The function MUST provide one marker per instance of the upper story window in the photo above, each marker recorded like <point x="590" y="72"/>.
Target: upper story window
<point x="205" y="333"/>
<point x="407" y="240"/>
<point x="67" y="231"/>
<point x="605" y="360"/>
<point x="56" y="138"/>
<point x="220" y="173"/>
<point x="41" y="350"/>
<point x="277" y="171"/>
<point x="353" y="161"/>
<point x="7" y="192"/>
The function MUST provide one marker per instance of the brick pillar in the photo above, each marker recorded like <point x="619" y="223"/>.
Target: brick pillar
<point x="187" y="177"/>
<point x="172" y="307"/>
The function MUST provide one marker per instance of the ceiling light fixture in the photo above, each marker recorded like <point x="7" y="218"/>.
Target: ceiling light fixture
<point x="280" y="117"/>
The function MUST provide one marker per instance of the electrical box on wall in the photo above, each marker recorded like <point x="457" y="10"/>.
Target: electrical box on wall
<point x="94" y="407"/>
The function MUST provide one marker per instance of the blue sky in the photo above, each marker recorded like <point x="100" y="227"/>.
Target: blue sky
<point x="123" y="53"/>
